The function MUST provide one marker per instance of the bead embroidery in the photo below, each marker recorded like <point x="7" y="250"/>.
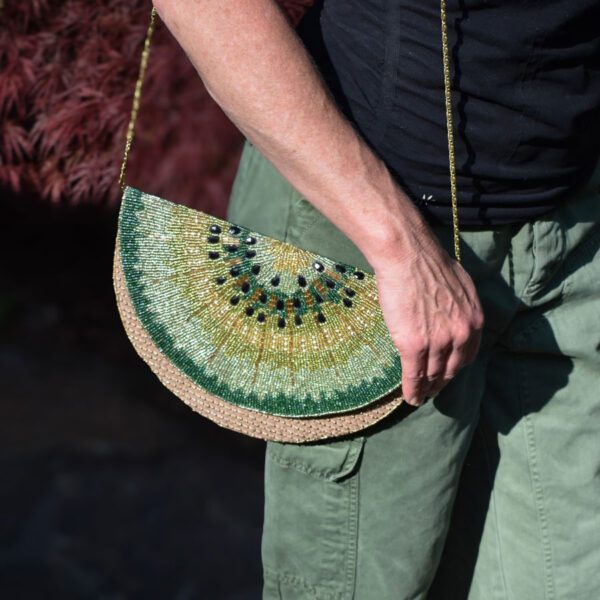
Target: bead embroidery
<point x="275" y="331"/>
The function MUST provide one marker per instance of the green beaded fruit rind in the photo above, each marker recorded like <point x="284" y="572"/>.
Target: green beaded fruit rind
<point x="254" y="320"/>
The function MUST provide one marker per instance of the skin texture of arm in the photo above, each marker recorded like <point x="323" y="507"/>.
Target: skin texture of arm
<point x="256" y="68"/>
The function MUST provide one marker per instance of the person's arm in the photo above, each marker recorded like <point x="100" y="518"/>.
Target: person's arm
<point x="258" y="71"/>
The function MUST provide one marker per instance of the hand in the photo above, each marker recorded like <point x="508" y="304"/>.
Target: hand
<point x="432" y="310"/>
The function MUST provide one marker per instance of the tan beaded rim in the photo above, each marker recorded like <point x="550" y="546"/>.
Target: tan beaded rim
<point x="226" y="414"/>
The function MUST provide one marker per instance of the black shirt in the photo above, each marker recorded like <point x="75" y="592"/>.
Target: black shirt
<point x="526" y="97"/>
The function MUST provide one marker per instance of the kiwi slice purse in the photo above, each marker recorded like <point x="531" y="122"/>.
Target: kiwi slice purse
<point x="254" y="333"/>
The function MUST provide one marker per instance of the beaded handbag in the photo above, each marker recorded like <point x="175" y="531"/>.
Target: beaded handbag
<point x="258" y="335"/>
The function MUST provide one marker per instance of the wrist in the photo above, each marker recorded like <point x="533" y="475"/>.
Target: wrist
<point x="399" y="235"/>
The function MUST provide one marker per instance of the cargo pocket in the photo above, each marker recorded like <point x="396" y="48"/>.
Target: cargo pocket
<point x="311" y="519"/>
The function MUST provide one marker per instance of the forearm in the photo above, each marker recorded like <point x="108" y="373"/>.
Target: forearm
<point x="255" y="67"/>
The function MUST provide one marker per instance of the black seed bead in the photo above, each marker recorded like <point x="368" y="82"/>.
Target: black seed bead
<point x="349" y="292"/>
<point x="250" y="240"/>
<point x="215" y="229"/>
<point x="275" y="281"/>
<point x="301" y="281"/>
<point x="234" y="300"/>
<point x="297" y="302"/>
<point x="281" y="322"/>
<point x="255" y="269"/>
<point x="260" y="317"/>
<point x="245" y="287"/>
<point x="234" y="230"/>
<point x="212" y="239"/>
<point x="279" y="304"/>
<point x="321" y="318"/>
<point x="231" y="248"/>
<point x="359" y="275"/>
<point x="340" y="268"/>
<point x="234" y="271"/>
<point x="318" y="266"/>
<point x="250" y="254"/>
<point x="249" y="311"/>
<point x="347" y="302"/>
<point x="220" y="280"/>
<point x="213" y="255"/>
<point x="297" y="320"/>
<point x="330" y="284"/>
<point x="263" y="298"/>
<point x="318" y="298"/>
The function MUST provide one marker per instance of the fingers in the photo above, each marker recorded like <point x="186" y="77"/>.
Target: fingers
<point x="436" y="369"/>
<point x="435" y="320"/>
<point x="414" y="369"/>
<point x="465" y="346"/>
<point x="426" y="370"/>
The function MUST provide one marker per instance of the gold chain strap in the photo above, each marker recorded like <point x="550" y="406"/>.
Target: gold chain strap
<point x="447" y="95"/>
<point x="137" y="94"/>
<point x="450" y="128"/>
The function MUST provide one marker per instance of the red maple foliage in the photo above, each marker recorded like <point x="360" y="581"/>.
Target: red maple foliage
<point x="67" y="74"/>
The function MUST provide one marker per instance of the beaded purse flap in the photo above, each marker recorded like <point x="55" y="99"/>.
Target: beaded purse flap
<point x="260" y="336"/>
<point x="249" y="319"/>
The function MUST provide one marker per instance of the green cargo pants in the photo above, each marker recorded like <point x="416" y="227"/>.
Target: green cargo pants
<point x="366" y="517"/>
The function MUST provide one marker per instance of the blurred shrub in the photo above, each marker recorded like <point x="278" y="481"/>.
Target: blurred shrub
<point x="67" y="73"/>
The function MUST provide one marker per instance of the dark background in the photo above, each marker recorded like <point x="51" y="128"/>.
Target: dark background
<point x="110" y="486"/>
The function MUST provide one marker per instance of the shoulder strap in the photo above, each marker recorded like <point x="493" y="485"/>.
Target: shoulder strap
<point x="137" y="95"/>
<point x="450" y="128"/>
<point x="447" y="95"/>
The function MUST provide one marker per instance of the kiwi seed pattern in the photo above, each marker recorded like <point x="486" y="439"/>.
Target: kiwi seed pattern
<point x="252" y="319"/>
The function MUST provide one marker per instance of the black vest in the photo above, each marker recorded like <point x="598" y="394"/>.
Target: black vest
<point x="526" y="96"/>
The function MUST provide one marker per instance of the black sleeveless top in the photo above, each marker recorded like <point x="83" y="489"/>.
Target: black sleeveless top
<point x="526" y="97"/>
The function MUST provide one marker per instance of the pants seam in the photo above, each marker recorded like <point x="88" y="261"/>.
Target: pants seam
<point x="530" y="275"/>
<point x="535" y="285"/>
<point x="352" y="554"/>
<point x="495" y="516"/>
<point x="538" y="491"/>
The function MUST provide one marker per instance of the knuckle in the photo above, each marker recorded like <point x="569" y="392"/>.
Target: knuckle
<point x="441" y="346"/>
<point x="434" y="376"/>
<point x="414" y="376"/>
<point x="462" y="334"/>
<point x="414" y="346"/>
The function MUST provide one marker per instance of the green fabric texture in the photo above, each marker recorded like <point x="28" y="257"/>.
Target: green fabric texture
<point x="370" y="516"/>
